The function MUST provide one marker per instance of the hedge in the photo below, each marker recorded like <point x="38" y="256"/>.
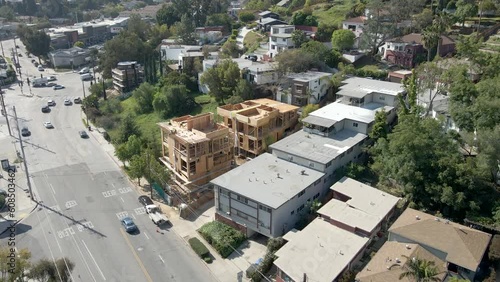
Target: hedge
<point x="222" y="237"/>
<point x="199" y="248"/>
<point x="2" y="201"/>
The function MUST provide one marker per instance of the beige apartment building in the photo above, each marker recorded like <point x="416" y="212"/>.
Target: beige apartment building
<point x="256" y="124"/>
<point x="196" y="149"/>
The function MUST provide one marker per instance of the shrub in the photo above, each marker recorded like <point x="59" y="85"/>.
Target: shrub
<point x="246" y="16"/>
<point x="222" y="237"/>
<point x="2" y="201"/>
<point x="199" y="248"/>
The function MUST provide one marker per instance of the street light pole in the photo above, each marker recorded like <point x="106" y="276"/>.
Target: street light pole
<point x="4" y="110"/>
<point x="24" y="156"/>
<point x="84" y="108"/>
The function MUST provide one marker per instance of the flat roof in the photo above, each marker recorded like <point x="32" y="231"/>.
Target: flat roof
<point x="324" y="122"/>
<point x="359" y="87"/>
<point x="318" y="148"/>
<point x="268" y="180"/>
<point x="366" y="198"/>
<point x="365" y="209"/>
<point x="309" y="75"/>
<point x="338" y="111"/>
<point x="321" y="251"/>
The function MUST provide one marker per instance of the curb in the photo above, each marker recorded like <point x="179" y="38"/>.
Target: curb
<point x="20" y="220"/>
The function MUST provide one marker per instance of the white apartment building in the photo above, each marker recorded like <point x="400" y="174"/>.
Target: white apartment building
<point x="305" y="88"/>
<point x="280" y="39"/>
<point x="266" y="195"/>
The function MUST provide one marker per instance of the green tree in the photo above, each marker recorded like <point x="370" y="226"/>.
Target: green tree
<point x="309" y="108"/>
<point x="131" y="148"/>
<point x="222" y="19"/>
<point x="173" y="100"/>
<point x="137" y="167"/>
<point x="420" y="270"/>
<point x="156" y="34"/>
<point x="465" y="9"/>
<point x="409" y="106"/>
<point x="7" y="12"/>
<point x="167" y="15"/>
<point x="139" y="27"/>
<point x="321" y="54"/>
<point x="127" y="128"/>
<point x="29" y="7"/>
<point x="296" y="60"/>
<point x="79" y="44"/>
<point x="37" y="42"/>
<point x="325" y="31"/>
<point x="343" y="39"/>
<point x="185" y="30"/>
<point x="222" y="80"/>
<point x="230" y="49"/>
<point x="144" y="96"/>
<point x="299" y="37"/>
<point x="115" y="53"/>
<point x="303" y="17"/>
<point x="379" y="27"/>
<point x="243" y="90"/>
<point x="380" y="127"/>
<point x="246" y="16"/>
<point x="463" y="94"/>
<point x="487" y="103"/>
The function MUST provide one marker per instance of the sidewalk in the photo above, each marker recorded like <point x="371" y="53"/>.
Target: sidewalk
<point x="223" y="269"/>
<point x="23" y="204"/>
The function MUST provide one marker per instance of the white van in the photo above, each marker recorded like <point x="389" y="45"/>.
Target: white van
<point x="86" y="76"/>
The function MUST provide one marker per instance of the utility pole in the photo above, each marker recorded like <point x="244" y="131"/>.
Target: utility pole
<point x="85" y="109"/>
<point x="4" y="110"/>
<point x="22" y="151"/>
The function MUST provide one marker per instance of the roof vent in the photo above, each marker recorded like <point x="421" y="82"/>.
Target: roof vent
<point x="341" y="253"/>
<point x="417" y="217"/>
<point x="388" y="267"/>
<point x="408" y="247"/>
<point x="249" y="180"/>
<point x="372" y="203"/>
<point x="303" y="172"/>
<point x="279" y="175"/>
<point x="397" y="260"/>
<point x="256" y="179"/>
<point x="264" y="182"/>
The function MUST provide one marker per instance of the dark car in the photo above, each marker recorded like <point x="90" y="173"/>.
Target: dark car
<point x="129" y="224"/>
<point x="83" y="134"/>
<point x="25" y="132"/>
<point x="77" y="100"/>
<point x="145" y="200"/>
<point x="45" y="109"/>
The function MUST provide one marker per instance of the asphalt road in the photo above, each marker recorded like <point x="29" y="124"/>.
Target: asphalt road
<point x="84" y="194"/>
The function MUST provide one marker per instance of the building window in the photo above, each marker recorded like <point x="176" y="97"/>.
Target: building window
<point x="264" y="208"/>
<point x="316" y="196"/>
<point x="292" y="212"/>
<point x="328" y="164"/>
<point x="302" y="193"/>
<point x="223" y="192"/>
<point x="300" y="208"/>
<point x="242" y="199"/>
<point x="355" y="124"/>
<point x="342" y="155"/>
<point x="381" y="98"/>
<point x="317" y="182"/>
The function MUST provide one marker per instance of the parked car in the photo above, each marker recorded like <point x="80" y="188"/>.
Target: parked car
<point x="67" y="102"/>
<point x="50" y="84"/>
<point x="83" y="134"/>
<point x="40" y="68"/>
<point x="48" y="124"/>
<point x="78" y="100"/>
<point x="45" y="109"/>
<point x="25" y="132"/>
<point x="145" y="200"/>
<point x="129" y="224"/>
<point x="51" y="78"/>
<point x="84" y="70"/>
<point x="86" y="76"/>
<point x="33" y="61"/>
<point x="19" y="55"/>
<point x="58" y="86"/>
<point x="51" y="103"/>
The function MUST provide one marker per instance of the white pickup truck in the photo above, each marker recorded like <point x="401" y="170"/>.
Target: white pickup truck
<point x="155" y="214"/>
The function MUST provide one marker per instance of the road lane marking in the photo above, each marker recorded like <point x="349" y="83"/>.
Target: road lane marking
<point x="133" y="216"/>
<point x="122" y="199"/>
<point x="141" y="265"/>
<point x="140" y="210"/>
<point x="96" y="265"/>
<point x="46" y="176"/>
<point x="52" y="187"/>
<point x="70" y="204"/>
<point x="50" y="249"/>
<point x="112" y="184"/>
<point x="145" y="234"/>
<point x="122" y="215"/>
<point x="161" y="259"/>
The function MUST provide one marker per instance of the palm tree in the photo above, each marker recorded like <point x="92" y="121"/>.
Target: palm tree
<point x="429" y="38"/>
<point x="420" y="270"/>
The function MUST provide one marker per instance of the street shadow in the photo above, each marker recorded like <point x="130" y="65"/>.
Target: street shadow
<point x="192" y="215"/>
<point x="35" y="145"/>
<point x="18" y="229"/>
<point x="73" y="221"/>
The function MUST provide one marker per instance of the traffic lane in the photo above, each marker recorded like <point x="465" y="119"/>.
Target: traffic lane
<point x="91" y="224"/>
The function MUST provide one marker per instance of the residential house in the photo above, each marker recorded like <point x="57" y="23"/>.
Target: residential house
<point x="257" y="73"/>
<point x="437" y="102"/>
<point x="172" y="52"/>
<point x="321" y="252"/>
<point x="189" y="59"/>
<point x="280" y="39"/>
<point x="268" y="14"/>
<point x="301" y="89"/>
<point x="284" y="3"/>
<point x="399" y="75"/>
<point x="127" y="76"/>
<point x="356" y="25"/>
<point x="405" y="50"/>
<point x="209" y="34"/>
<point x="196" y="149"/>
<point x="473" y="70"/>
<point x="258" y="123"/>
<point x="69" y="58"/>
<point x="370" y="94"/>
<point x="462" y="248"/>
<point x="266" y="195"/>
<point x="333" y="136"/>
<point x="391" y="260"/>
<point x="358" y="208"/>
<point x="265" y="24"/>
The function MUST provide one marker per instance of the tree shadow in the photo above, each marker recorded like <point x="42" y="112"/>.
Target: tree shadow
<point x="15" y="230"/>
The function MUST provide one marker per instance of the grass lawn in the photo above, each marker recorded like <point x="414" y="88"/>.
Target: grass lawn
<point x="252" y="40"/>
<point x="206" y="103"/>
<point x="333" y="15"/>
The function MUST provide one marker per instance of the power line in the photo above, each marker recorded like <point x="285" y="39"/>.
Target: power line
<point x="24" y="156"/>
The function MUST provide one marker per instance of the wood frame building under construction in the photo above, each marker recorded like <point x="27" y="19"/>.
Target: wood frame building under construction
<point x="256" y="124"/>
